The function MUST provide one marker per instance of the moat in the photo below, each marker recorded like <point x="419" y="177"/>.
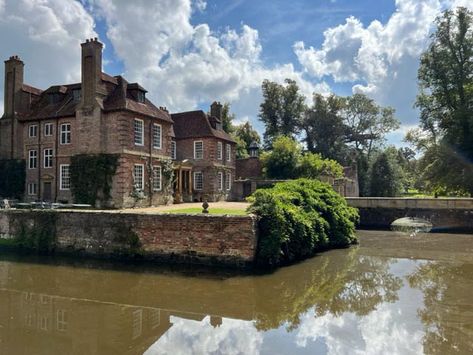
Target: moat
<point x="392" y="294"/>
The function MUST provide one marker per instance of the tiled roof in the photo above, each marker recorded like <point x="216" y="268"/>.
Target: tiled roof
<point x="64" y="105"/>
<point x="31" y="90"/>
<point x="195" y="124"/>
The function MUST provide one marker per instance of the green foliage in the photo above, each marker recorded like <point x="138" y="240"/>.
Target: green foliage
<point x="91" y="177"/>
<point x="446" y="93"/>
<point x="244" y="135"/>
<point x="281" y="109"/>
<point x="281" y="162"/>
<point x="299" y="218"/>
<point x="384" y="180"/>
<point x="12" y="178"/>
<point x="227" y="119"/>
<point x="313" y="166"/>
<point x="241" y="148"/>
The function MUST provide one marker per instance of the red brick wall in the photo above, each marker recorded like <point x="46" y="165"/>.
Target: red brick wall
<point x="248" y="168"/>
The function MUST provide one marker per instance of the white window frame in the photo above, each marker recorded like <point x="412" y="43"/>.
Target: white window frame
<point x="32" y="130"/>
<point x="157" y="136"/>
<point x="32" y="189"/>
<point x="48" y="129"/>
<point x="228" y="152"/>
<point x="173" y="150"/>
<point x="66" y="136"/>
<point x="48" y="155"/>
<point x="62" y="179"/>
<point x="32" y="159"/>
<point x="219" y="151"/>
<point x="61" y="320"/>
<point x="195" y="150"/>
<point x="220" y="181"/>
<point x="195" y="180"/>
<point x="137" y="323"/>
<point x="228" y="181"/>
<point x="139" y="137"/>
<point x="157" y="187"/>
<point x="142" y="182"/>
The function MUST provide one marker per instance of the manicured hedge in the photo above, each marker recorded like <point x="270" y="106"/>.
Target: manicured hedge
<point x="300" y="217"/>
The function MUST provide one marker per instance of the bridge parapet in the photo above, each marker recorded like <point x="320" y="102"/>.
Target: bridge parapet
<point x="421" y="203"/>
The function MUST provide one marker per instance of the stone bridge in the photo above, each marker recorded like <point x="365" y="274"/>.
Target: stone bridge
<point x="443" y="213"/>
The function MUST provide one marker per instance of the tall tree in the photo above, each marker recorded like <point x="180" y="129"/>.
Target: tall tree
<point x="281" y="109"/>
<point x="282" y="161"/>
<point x="383" y="180"/>
<point x="227" y="118"/>
<point x="247" y="134"/>
<point x="446" y="99"/>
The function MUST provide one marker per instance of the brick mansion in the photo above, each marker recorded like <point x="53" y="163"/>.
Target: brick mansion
<point x="105" y="114"/>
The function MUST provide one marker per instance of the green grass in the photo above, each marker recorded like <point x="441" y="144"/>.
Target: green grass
<point x="198" y="210"/>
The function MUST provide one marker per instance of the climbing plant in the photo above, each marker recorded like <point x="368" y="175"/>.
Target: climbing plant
<point x="91" y="177"/>
<point x="12" y="178"/>
<point x="168" y="175"/>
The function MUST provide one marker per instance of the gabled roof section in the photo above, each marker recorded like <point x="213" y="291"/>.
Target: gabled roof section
<point x="195" y="124"/>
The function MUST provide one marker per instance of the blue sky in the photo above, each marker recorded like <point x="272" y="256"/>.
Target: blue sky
<point x="188" y="53"/>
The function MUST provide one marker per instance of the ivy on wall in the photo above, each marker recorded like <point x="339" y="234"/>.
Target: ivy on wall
<point x="12" y="178"/>
<point x="167" y="167"/>
<point x="91" y="178"/>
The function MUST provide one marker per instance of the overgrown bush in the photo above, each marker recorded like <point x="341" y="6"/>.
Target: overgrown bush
<point x="300" y="217"/>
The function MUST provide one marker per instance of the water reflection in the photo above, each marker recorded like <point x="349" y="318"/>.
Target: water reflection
<point x="349" y="301"/>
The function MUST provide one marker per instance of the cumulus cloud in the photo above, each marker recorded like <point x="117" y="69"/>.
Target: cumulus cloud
<point x="46" y="34"/>
<point x="200" y="5"/>
<point x="193" y="337"/>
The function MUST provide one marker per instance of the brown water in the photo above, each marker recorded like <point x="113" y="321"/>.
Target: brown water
<point x="392" y="294"/>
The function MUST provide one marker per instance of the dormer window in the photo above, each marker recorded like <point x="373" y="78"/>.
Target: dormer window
<point x="140" y="96"/>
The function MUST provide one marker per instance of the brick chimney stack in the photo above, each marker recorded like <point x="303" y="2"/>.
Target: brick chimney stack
<point x="14" y="69"/>
<point x="91" y="70"/>
<point x="216" y="110"/>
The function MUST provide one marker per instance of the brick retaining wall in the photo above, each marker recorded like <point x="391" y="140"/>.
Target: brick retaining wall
<point x="203" y="239"/>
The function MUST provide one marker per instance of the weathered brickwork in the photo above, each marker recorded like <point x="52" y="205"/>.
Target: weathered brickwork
<point x="206" y="239"/>
<point x="249" y="168"/>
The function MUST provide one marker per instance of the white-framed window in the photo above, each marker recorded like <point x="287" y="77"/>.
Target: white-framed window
<point x="32" y="159"/>
<point x="48" y="129"/>
<point x="64" y="177"/>
<point x="198" y="150"/>
<point x="43" y="322"/>
<point x="228" y="151"/>
<point x="32" y="188"/>
<point x="173" y="150"/>
<point x="155" y="318"/>
<point x="137" y="323"/>
<point x="157" y="136"/>
<point x="139" y="176"/>
<point x="33" y="130"/>
<point x="61" y="320"/>
<point x="48" y="158"/>
<point x="228" y="181"/>
<point x="65" y="137"/>
<point x="220" y="181"/>
<point x="198" y="180"/>
<point x="157" y="178"/>
<point x="139" y="128"/>
<point x="219" y="150"/>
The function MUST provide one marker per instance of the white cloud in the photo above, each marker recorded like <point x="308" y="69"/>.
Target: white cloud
<point x="46" y="34"/>
<point x="193" y="337"/>
<point x="200" y="5"/>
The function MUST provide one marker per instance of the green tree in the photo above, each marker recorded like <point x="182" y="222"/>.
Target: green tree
<point x="227" y="119"/>
<point x="383" y="180"/>
<point x="281" y="109"/>
<point x="245" y="134"/>
<point x="313" y="166"/>
<point x="282" y="161"/>
<point x="445" y="100"/>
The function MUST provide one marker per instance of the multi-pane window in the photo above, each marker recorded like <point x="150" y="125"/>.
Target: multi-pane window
<point x="173" y="150"/>
<point x="61" y="320"/>
<point x="198" y="150"/>
<point x="76" y="94"/>
<point x="198" y="180"/>
<point x="228" y="181"/>
<point x="48" y="158"/>
<point x="65" y="133"/>
<point x="139" y="132"/>
<point x="48" y="129"/>
<point x="228" y="151"/>
<point x="220" y="181"/>
<point x="138" y="177"/>
<point x="32" y="159"/>
<point x="65" y="177"/>
<point x="219" y="150"/>
<point x="157" y="135"/>
<point x="33" y="130"/>
<point x="157" y="178"/>
<point x="137" y="323"/>
<point x="32" y="188"/>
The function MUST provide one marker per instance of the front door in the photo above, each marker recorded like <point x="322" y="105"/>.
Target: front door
<point x="47" y="196"/>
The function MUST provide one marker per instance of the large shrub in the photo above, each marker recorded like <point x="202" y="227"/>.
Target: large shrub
<point x="12" y="178"/>
<point x="300" y="217"/>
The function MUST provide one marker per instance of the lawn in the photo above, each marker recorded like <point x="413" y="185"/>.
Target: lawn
<point x="198" y="210"/>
